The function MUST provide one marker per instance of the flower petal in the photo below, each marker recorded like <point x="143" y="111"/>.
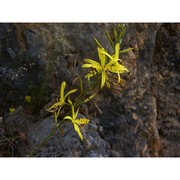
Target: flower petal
<point x="102" y="56"/>
<point x="81" y="121"/>
<point x="117" y="68"/>
<point x="92" y="63"/>
<point x="119" y="78"/>
<point x="86" y="65"/>
<point x="76" y="127"/>
<point x="72" y="107"/>
<point x="105" y="53"/>
<point x="103" y="79"/>
<point x="112" y="62"/>
<point x="68" y="117"/>
<point x="63" y="85"/>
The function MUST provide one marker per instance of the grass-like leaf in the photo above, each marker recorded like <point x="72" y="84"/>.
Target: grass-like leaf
<point x="110" y="40"/>
<point x="126" y="50"/>
<point x="97" y="43"/>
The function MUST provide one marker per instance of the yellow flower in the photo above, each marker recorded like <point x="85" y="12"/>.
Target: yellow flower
<point x="28" y="98"/>
<point x="61" y="102"/>
<point x="76" y="121"/>
<point x="11" y="109"/>
<point x="105" y="67"/>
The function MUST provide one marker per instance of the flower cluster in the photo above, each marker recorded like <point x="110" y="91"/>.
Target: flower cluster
<point x="64" y="100"/>
<point x="106" y="72"/>
<point x="56" y="107"/>
<point x="106" y="68"/>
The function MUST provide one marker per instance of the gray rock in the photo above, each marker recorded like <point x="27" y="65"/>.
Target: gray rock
<point x="69" y="144"/>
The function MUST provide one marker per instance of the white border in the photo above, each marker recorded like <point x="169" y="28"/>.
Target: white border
<point x="89" y="11"/>
<point x="89" y="168"/>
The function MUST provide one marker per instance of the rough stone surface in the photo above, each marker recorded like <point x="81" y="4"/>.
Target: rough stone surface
<point x="69" y="144"/>
<point x="165" y="87"/>
<point x="35" y="58"/>
<point x="141" y="120"/>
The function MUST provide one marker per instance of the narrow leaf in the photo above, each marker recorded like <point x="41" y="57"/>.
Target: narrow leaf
<point x="89" y="75"/>
<point x="126" y="50"/>
<point x="110" y="40"/>
<point x="80" y="85"/>
<point x="115" y="35"/>
<point x="70" y="92"/>
<point x="117" y="47"/>
<point x="61" y="130"/>
<point x="122" y="31"/>
<point x="89" y="98"/>
<point x="97" y="43"/>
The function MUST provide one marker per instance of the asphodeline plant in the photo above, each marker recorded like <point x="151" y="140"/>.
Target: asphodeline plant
<point x="58" y="105"/>
<point x="106" y="68"/>
<point x="28" y="99"/>
<point x="65" y="103"/>
<point x="106" y="71"/>
<point x="110" y="67"/>
<point x="11" y="109"/>
<point x="77" y="122"/>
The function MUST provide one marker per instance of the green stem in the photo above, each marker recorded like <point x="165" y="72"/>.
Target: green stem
<point x="42" y="143"/>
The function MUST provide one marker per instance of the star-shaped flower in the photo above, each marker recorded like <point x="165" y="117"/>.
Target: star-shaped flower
<point x="61" y="102"/>
<point x="107" y="66"/>
<point x="76" y="121"/>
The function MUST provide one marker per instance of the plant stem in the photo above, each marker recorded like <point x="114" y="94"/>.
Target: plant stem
<point x="42" y="143"/>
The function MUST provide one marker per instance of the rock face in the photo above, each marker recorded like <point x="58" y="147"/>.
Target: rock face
<point x="166" y="87"/>
<point x="69" y="144"/>
<point x="35" y="58"/>
<point x="143" y="120"/>
<point x="133" y="115"/>
<point x="23" y="69"/>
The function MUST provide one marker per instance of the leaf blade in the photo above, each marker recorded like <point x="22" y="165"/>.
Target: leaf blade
<point x="97" y="43"/>
<point x="110" y="40"/>
<point x="126" y="50"/>
<point x="89" y="98"/>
